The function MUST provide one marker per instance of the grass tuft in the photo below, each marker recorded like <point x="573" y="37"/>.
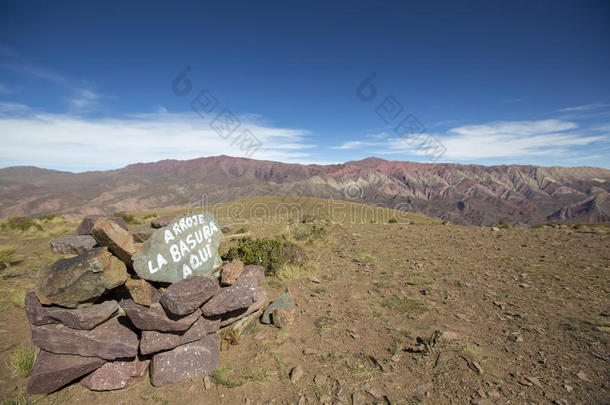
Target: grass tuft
<point x="22" y="362"/>
<point x="219" y="378"/>
<point x="363" y="257"/>
<point x="406" y="304"/>
<point x="7" y="255"/>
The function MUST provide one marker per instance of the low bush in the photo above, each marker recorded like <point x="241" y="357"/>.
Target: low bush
<point x="49" y="217"/>
<point x="19" y="224"/>
<point x="272" y="254"/>
<point x="7" y="255"/>
<point x="504" y="224"/>
<point x="127" y="217"/>
<point x="393" y="221"/>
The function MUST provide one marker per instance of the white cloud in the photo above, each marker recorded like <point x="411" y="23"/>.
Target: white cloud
<point x="161" y="109"/>
<point x="67" y="141"/>
<point x="12" y="108"/>
<point x="356" y="145"/>
<point x="586" y="107"/>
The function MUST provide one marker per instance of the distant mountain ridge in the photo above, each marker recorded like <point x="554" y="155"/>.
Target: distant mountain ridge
<point x="463" y="194"/>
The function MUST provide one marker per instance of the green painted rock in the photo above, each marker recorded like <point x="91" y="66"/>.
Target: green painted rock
<point x="186" y="247"/>
<point x="79" y="281"/>
<point x="283" y="301"/>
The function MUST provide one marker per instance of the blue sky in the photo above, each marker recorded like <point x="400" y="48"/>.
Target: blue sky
<point x="87" y="86"/>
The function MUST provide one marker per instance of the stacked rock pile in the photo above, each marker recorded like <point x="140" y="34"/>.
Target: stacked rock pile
<point x="121" y="309"/>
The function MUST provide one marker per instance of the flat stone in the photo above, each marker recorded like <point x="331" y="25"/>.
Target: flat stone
<point x="116" y="375"/>
<point x="186" y="247"/>
<point x="187" y="361"/>
<point x="80" y="280"/>
<point x="282" y="317"/>
<point x="234" y="333"/>
<point x="185" y="296"/>
<point x="155" y="317"/>
<point x="296" y="373"/>
<point x="89" y="221"/>
<point x="231" y="271"/>
<point x="80" y="318"/>
<point x="72" y="244"/>
<point x="283" y="301"/>
<point x="109" y="341"/>
<point x="162" y="221"/>
<point x="53" y="371"/>
<point x="243" y="293"/>
<point x="141" y="233"/>
<point x="154" y="342"/>
<point x="233" y="316"/>
<point x="118" y="241"/>
<point x="142" y="292"/>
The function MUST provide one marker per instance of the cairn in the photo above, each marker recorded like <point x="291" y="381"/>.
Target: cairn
<point x="157" y="301"/>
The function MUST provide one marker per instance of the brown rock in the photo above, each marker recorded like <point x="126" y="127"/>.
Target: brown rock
<point x="207" y="382"/>
<point x="81" y="318"/>
<point x="79" y="281"/>
<point x="53" y="371"/>
<point x="116" y="375"/>
<point x="119" y="241"/>
<point x="282" y="317"/>
<point x="154" y="342"/>
<point x="142" y="233"/>
<point x="73" y="244"/>
<point x="109" y="341"/>
<point x="296" y="373"/>
<point x="89" y="221"/>
<point x="187" y="361"/>
<point x="231" y="271"/>
<point x="141" y="291"/>
<point x="155" y="317"/>
<point x="236" y="315"/>
<point x="186" y="296"/>
<point x="161" y="221"/>
<point x="243" y="293"/>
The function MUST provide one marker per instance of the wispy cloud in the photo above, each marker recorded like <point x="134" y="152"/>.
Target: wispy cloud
<point x="13" y="108"/>
<point x="4" y="89"/>
<point x="585" y="107"/>
<point x="74" y="142"/>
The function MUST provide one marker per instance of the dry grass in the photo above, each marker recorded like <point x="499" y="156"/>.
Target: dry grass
<point x="7" y="255"/>
<point x="22" y="361"/>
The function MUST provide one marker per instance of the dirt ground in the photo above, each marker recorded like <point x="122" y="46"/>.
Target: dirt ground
<point x="397" y="313"/>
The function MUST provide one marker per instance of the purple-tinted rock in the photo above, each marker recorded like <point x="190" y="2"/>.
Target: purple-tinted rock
<point x="116" y="375"/>
<point x="243" y="293"/>
<point x="89" y="221"/>
<point x="229" y="318"/>
<point x="73" y="244"/>
<point x="53" y="371"/>
<point x="81" y="318"/>
<point x="162" y="221"/>
<point x="79" y="281"/>
<point x="110" y="340"/>
<point x="154" y="342"/>
<point x="186" y="296"/>
<point x="187" y="361"/>
<point x="155" y="317"/>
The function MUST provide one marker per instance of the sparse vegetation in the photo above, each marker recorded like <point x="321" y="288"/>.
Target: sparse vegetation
<point x="23" y="360"/>
<point x="271" y="253"/>
<point x="364" y="257"/>
<point x="504" y="224"/>
<point x="393" y="221"/>
<point x="406" y="304"/>
<point x="127" y="217"/>
<point x="7" y="255"/>
<point x="219" y="378"/>
<point x="49" y="217"/>
<point x="19" y="224"/>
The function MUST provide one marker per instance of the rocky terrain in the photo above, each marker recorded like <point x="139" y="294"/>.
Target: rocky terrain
<point x="461" y="194"/>
<point x="408" y="311"/>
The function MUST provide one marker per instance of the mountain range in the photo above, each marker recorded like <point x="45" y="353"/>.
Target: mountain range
<point x="462" y="194"/>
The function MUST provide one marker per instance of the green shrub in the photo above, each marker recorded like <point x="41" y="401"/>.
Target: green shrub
<point x="504" y="223"/>
<point x="270" y="253"/>
<point x="150" y="216"/>
<point x="127" y="217"/>
<point x="20" y="224"/>
<point x="578" y="226"/>
<point x="7" y="255"/>
<point x="48" y="217"/>
<point x="241" y="230"/>
<point x="310" y="233"/>
<point x="393" y="221"/>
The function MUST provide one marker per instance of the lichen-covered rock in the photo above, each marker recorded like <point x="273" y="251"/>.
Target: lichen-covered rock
<point x="110" y="340"/>
<point x="89" y="221"/>
<point x="242" y="294"/>
<point x="53" y="371"/>
<point x="283" y="301"/>
<point x="141" y="291"/>
<point x="231" y="271"/>
<point x="186" y="296"/>
<point x="187" y="361"/>
<point x="155" y="317"/>
<point x="116" y="375"/>
<point x="79" y="318"/>
<point x="154" y="342"/>
<point x="73" y="244"/>
<point x="119" y="241"/>
<point x="80" y="280"/>
<point x="282" y="317"/>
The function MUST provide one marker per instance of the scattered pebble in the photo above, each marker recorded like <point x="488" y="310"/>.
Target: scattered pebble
<point x="296" y="373"/>
<point x="207" y="382"/>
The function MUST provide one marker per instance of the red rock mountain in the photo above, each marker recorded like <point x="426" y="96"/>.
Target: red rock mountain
<point x="464" y="194"/>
